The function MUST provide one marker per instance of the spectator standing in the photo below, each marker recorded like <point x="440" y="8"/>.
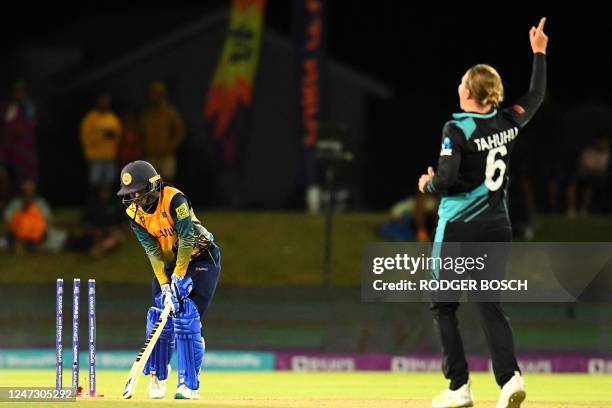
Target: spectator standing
<point x="162" y="131"/>
<point x="590" y="177"/>
<point x="100" y="136"/>
<point x="18" y="151"/>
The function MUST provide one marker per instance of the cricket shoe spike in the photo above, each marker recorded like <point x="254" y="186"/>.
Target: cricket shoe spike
<point x="513" y="392"/>
<point x="184" y="392"/>
<point x="461" y="397"/>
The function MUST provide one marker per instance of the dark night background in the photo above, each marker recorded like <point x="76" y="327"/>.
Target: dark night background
<point x="419" y="55"/>
<point x="290" y="281"/>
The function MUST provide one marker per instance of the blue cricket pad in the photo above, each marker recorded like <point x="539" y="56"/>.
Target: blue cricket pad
<point x="190" y="344"/>
<point x="162" y="352"/>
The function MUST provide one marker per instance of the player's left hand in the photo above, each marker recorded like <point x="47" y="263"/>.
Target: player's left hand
<point x="425" y="178"/>
<point x="181" y="286"/>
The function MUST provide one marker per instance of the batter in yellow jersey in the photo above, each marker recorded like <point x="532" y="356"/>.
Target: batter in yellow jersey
<point x="186" y="263"/>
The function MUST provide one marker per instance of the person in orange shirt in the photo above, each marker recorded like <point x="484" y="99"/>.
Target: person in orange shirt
<point x="28" y="218"/>
<point x="100" y="135"/>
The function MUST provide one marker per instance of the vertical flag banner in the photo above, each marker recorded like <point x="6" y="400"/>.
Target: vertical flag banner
<point x="231" y="92"/>
<point x="309" y="40"/>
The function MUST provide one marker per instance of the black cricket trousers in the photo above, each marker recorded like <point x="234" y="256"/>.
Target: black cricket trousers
<point x="495" y="322"/>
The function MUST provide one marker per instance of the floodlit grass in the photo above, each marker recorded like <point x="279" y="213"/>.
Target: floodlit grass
<point x="363" y="389"/>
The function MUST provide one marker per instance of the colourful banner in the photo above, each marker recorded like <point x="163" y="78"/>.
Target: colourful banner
<point x="309" y="33"/>
<point x="231" y="90"/>
<point x="534" y="363"/>
<point x="123" y="360"/>
<point x="591" y="363"/>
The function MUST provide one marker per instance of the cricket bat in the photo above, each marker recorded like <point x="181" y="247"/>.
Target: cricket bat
<point x="145" y="352"/>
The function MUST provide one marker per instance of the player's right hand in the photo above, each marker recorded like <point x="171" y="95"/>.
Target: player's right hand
<point x="537" y="37"/>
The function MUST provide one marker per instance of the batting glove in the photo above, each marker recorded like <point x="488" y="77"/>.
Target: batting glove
<point x="181" y="286"/>
<point x="169" y="298"/>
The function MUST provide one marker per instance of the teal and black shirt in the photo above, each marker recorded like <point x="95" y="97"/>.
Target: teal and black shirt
<point x="472" y="172"/>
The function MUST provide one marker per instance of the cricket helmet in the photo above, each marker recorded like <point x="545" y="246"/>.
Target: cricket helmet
<point x="140" y="183"/>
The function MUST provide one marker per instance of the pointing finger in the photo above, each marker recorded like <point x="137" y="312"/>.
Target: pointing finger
<point x="541" y="25"/>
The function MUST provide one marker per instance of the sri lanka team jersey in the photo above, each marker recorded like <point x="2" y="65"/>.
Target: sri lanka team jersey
<point x="171" y="234"/>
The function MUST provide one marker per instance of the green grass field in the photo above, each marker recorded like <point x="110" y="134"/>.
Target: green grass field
<point x="296" y="261"/>
<point x="364" y="389"/>
<point x="246" y="239"/>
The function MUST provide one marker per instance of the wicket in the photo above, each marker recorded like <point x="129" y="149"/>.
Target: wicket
<point x="76" y="292"/>
<point x="92" y="338"/>
<point x="59" y="326"/>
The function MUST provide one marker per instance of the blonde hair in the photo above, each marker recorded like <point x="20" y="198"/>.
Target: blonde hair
<point x="485" y="85"/>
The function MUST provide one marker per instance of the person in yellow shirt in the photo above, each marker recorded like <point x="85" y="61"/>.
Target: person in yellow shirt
<point x="100" y="134"/>
<point x="162" y="131"/>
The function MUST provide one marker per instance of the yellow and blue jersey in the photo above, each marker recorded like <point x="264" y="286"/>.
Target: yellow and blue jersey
<point x="171" y="234"/>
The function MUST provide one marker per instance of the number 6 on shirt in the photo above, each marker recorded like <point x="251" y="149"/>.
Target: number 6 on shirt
<point x="494" y="164"/>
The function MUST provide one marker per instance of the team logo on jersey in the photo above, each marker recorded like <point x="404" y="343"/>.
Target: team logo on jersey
<point x="126" y="178"/>
<point x="447" y="148"/>
<point x="182" y="211"/>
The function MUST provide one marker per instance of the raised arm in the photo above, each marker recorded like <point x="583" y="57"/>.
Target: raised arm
<point x="524" y="109"/>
